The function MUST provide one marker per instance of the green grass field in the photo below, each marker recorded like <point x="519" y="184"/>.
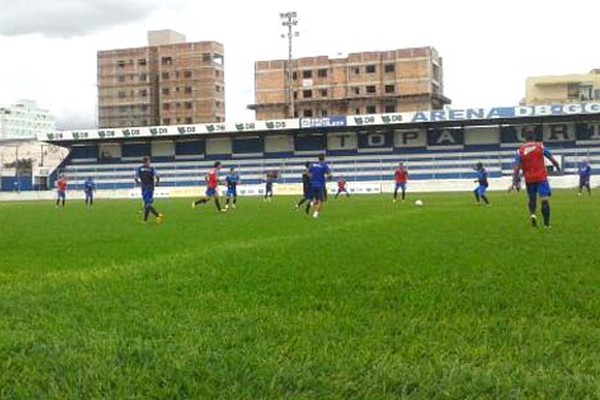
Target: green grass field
<point x="372" y="301"/>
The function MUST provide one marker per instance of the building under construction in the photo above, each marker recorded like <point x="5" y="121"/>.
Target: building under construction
<point x="168" y="82"/>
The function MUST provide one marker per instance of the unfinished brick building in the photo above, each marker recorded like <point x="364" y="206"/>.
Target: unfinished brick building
<point x="362" y="83"/>
<point x="168" y="82"/>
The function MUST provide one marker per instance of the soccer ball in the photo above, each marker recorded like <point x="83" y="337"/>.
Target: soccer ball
<point x="419" y="203"/>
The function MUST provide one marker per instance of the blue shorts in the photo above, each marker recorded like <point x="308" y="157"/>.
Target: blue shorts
<point x="62" y="195"/>
<point x="308" y="194"/>
<point x="480" y="190"/>
<point x="318" y="194"/>
<point x="89" y="195"/>
<point x="269" y="187"/>
<point x="539" y="188"/>
<point x="211" y="192"/>
<point x="148" y="196"/>
<point x="584" y="181"/>
<point x="231" y="192"/>
<point x="400" y="186"/>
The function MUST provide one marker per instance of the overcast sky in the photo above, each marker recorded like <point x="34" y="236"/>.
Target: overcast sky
<point x="48" y="48"/>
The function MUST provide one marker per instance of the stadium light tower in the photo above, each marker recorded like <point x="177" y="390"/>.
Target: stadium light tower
<point x="289" y="20"/>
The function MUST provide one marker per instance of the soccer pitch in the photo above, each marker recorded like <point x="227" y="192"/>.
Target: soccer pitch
<point x="373" y="300"/>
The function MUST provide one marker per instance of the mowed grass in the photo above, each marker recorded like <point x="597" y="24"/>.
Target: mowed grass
<point x="372" y="301"/>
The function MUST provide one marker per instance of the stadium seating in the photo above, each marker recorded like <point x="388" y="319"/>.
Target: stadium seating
<point x="187" y="168"/>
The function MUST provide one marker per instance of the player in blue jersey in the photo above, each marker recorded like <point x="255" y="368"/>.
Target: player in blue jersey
<point x="319" y="175"/>
<point x="147" y="178"/>
<point x="482" y="180"/>
<point x="89" y="187"/>
<point x="270" y="178"/>
<point x="232" y="179"/>
<point x="306" y="190"/>
<point x="585" y="172"/>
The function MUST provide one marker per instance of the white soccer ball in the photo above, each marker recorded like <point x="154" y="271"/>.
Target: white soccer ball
<point x="419" y="203"/>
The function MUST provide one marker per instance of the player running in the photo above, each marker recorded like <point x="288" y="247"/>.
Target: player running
<point x="89" y="187"/>
<point x="147" y="178"/>
<point x="342" y="187"/>
<point x="319" y="175"/>
<point x="585" y="172"/>
<point x="306" y="190"/>
<point x="61" y="190"/>
<point x="400" y="177"/>
<point x="212" y="184"/>
<point x="530" y="159"/>
<point x="232" y="179"/>
<point x="482" y="180"/>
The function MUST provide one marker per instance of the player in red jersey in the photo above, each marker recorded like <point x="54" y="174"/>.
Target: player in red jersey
<point x="61" y="190"/>
<point x="530" y="159"/>
<point x="341" y="183"/>
<point x="401" y="177"/>
<point x="212" y="185"/>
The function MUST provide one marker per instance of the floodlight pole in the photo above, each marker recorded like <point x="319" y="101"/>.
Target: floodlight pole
<point x="289" y="20"/>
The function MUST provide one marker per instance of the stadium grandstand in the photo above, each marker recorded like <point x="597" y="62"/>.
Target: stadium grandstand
<point x="436" y="146"/>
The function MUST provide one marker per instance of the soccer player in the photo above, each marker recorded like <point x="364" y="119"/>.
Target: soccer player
<point x="530" y="159"/>
<point x="516" y="185"/>
<point x="306" y="190"/>
<point x="482" y="180"/>
<point x="232" y="179"/>
<point x="341" y="183"/>
<point x="585" y="172"/>
<point x="270" y="178"/>
<point x="61" y="190"/>
<point x="319" y="174"/>
<point x="400" y="176"/>
<point x="147" y="178"/>
<point x="89" y="187"/>
<point x="212" y="184"/>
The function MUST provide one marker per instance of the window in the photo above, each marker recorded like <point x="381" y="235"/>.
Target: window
<point x="122" y="95"/>
<point x="357" y="111"/>
<point x="390" y="88"/>
<point x="322" y="73"/>
<point x="390" y="109"/>
<point x="165" y="75"/>
<point x="307" y="94"/>
<point x="206" y="57"/>
<point x="218" y="104"/>
<point x="219" y="119"/>
<point x="144" y="93"/>
<point x="144" y="122"/>
<point x="323" y="92"/>
<point x="165" y="91"/>
<point x="356" y="71"/>
<point x="166" y="121"/>
<point x="371" y="89"/>
<point x="122" y="109"/>
<point x="187" y="74"/>
<point x="177" y="89"/>
<point x="121" y="78"/>
<point x="167" y="61"/>
<point x="142" y="61"/>
<point x="121" y="64"/>
<point x="295" y="94"/>
<point x="355" y="90"/>
<point x="177" y="105"/>
<point x="144" y="107"/>
<point x="166" y="106"/>
<point x="189" y="120"/>
<point x="307" y="74"/>
<point x="217" y="73"/>
<point x="187" y="90"/>
<point x="187" y="105"/>
<point x="143" y="77"/>
<point x="218" y="89"/>
<point x="307" y="113"/>
<point x="389" y="68"/>
<point x="370" y="69"/>
<point x="323" y="113"/>
<point x="294" y="75"/>
<point x="371" y="109"/>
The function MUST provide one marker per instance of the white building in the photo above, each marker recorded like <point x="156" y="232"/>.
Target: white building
<point x="24" y="120"/>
